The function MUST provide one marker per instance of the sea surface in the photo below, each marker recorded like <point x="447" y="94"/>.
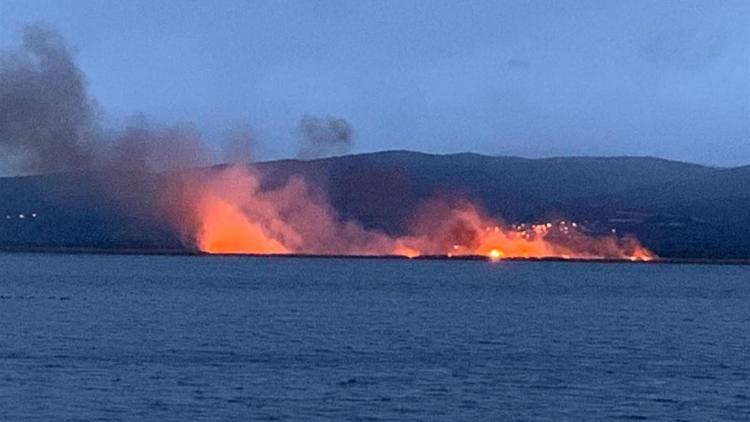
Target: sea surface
<point x="177" y="338"/>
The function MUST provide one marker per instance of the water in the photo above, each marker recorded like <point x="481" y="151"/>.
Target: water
<point x="208" y="338"/>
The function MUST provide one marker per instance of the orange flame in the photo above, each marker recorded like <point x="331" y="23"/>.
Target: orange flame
<point x="225" y="229"/>
<point x="228" y="212"/>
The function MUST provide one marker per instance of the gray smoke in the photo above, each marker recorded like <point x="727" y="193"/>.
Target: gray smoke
<point x="47" y="120"/>
<point x="324" y="136"/>
<point x="146" y="147"/>
<point x="238" y="146"/>
<point x="49" y="123"/>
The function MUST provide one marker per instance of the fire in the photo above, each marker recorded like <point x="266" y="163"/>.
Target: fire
<point x="406" y="251"/>
<point x="495" y="254"/>
<point x="463" y="230"/>
<point x="227" y="211"/>
<point x="225" y="229"/>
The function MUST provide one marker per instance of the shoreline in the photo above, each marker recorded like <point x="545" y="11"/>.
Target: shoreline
<point x="187" y="252"/>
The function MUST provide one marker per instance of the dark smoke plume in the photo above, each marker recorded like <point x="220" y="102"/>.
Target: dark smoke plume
<point x="324" y="136"/>
<point x="49" y="123"/>
<point x="47" y="120"/>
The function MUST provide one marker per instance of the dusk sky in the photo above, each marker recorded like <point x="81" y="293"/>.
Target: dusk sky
<point x="661" y="78"/>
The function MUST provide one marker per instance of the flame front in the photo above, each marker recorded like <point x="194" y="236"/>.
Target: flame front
<point x="227" y="212"/>
<point x="225" y="229"/>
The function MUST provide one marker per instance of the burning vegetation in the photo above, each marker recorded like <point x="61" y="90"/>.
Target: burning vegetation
<point x="227" y="212"/>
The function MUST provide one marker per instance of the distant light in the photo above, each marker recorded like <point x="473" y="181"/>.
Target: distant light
<point x="496" y="254"/>
<point x="33" y="215"/>
<point x="21" y="216"/>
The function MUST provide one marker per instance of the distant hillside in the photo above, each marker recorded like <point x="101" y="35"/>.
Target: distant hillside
<point x="379" y="188"/>
<point x="703" y="215"/>
<point x="678" y="209"/>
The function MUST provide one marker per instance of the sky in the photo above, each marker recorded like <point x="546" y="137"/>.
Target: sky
<point x="530" y="78"/>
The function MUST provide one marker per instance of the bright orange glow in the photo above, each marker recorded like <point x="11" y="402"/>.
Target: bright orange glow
<point x="405" y="251"/>
<point x="227" y="211"/>
<point x="495" y="254"/>
<point x="224" y="229"/>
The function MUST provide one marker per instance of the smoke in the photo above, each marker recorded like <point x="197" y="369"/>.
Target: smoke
<point x="145" y="147"/>
<point x="47" y="120"/>
<point x="226" y="211"/>
<point x="49" y="123"/>
<point x="238" y="146"/>
<point x="324" y="136"/>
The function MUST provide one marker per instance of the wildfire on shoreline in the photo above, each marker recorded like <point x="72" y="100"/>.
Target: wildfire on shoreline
<point x="229" y="213"/>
